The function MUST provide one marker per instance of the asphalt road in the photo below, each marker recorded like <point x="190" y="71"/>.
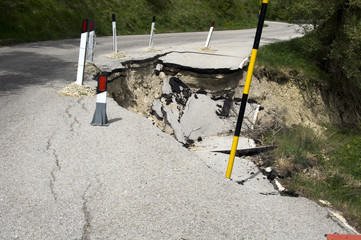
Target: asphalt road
<point x="61" y="178"/>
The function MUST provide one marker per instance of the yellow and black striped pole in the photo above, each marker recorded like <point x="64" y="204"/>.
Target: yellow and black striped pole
<point x="246" y="88"/>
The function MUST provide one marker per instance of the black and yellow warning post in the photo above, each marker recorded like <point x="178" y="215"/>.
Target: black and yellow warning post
<point x="246" y="88"/>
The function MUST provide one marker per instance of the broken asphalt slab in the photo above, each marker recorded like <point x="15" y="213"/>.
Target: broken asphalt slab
<point x="203" y="62"/>
<point x="245" y="172"/>
<point x="220" y="142"/>
<point x="192" y="115"/>
<point x="206" y="62"/>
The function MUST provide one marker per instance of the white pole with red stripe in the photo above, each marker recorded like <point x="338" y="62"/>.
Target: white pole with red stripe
<point x="100" y="116"/>
<point x="91" y="42"/>
<point x="152" y="32"/>
<point x="82" y="52"/>
<point x="209" y="35"/>
<point x="114" y="26"/>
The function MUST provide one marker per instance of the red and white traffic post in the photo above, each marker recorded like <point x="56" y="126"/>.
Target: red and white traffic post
<point x="209" y="35"/>
<point x="152" y="32"/>
<point x="114" y="26"/>
<point x="100" y="115"/>
<point x="82" y="52"/>
<point x="91" y="43"/>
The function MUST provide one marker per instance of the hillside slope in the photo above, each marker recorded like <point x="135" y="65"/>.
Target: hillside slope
<point x="35" y="20"/>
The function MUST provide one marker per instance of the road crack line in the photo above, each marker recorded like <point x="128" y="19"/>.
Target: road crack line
<point x="74" y="120"/>
<point x="85" y="234"/>
<point x="81" y="102"/>
<point x="86" y="211"/>
<point x="57" y="167"/>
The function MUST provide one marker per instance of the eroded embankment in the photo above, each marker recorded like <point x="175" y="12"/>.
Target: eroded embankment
<point x="187" y="103"/>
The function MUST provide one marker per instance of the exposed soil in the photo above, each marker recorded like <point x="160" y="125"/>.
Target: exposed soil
<point x="287" y="105"/>
<point x="136" y="86"/>
<point x="163" y="93"/>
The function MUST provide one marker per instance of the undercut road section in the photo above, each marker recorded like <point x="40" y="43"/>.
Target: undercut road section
<point x="61" y="178"/>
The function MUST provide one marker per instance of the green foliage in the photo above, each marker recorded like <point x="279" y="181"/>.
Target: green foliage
<point x="284" y="54"/>
<point x="159" y="5"/>
<point x="334" y="44"/>
<point x="279" y="10"/>
<point x="346" y="155"/>
<point x="34" y="20"/>
<point x="290" y="61"/>
<point x="325" y="166"/>
<point x="298" y="144"/>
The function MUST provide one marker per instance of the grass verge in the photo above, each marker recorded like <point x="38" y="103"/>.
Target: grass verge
<point x="323" y="166"/>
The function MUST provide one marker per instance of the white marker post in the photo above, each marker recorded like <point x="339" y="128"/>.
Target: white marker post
<point x="209" y="35"/>
<point x="91" y="44"/>
<point x="82" y="52"/>
<point x="152" y="33"/>
<point x="100" y="115"/>
<point x="114" y="26"/>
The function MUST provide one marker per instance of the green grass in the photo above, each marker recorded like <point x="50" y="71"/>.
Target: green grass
<point x="289" y="61"/>
<point x="325" y="166"/>
<point x="36" y="20"/>
<point x="346" y="157"/>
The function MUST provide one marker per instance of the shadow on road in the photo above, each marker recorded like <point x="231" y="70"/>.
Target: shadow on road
<point x="19" y="69"/>
<point x="61" y="44"/>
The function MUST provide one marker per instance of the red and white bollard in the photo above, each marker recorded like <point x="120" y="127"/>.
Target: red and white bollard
<point x="82" y="52"/>
<point x="209" y="35"/>
<point x="91" y="43"/>
<point x="100" y="115"/>
<point x="152" y="32"/>
<point x="114" y="26"/>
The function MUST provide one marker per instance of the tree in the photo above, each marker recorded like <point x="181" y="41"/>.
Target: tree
<point x="334" y="42"/>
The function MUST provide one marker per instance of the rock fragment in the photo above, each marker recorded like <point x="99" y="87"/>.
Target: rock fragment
<point x="157" y="109"/>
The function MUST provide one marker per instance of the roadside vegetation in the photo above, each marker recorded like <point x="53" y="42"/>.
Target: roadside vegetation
<point x="323" y="163"/>
<point x="38" y="20"/>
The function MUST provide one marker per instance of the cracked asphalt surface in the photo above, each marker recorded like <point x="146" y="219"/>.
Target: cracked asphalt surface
<point x="61" y="178"/>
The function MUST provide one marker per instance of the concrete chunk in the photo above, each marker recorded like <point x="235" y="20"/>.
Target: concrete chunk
<point x="167" y="89"/>
<point x="200" y="118"/>
<point x="157" y="108"/>
<point x="171" y="113"/>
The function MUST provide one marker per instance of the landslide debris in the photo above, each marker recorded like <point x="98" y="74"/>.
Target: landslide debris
<point x="184" y="103"/>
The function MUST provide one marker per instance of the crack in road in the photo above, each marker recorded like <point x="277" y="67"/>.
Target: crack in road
<point x="81" y="102"/>
<point x="85" y="234"/>
<point x="52" y="182"/>
<point x="56" y="167"/>
<point x="74" y="120"/>
<point x="85" y="209"/>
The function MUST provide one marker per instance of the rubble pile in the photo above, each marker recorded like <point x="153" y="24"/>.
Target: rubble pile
<point x="196" y="114"/>
<point x="187" y="105"/>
